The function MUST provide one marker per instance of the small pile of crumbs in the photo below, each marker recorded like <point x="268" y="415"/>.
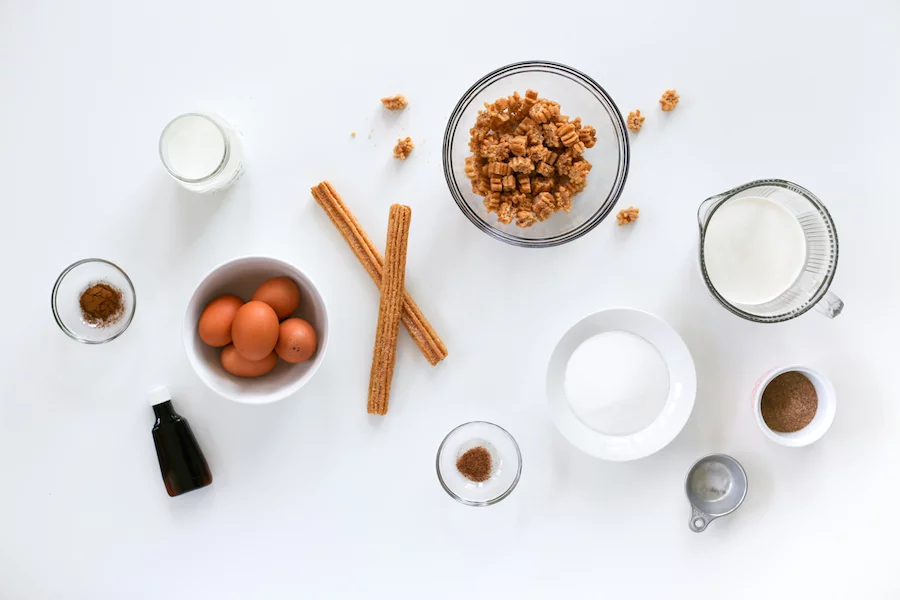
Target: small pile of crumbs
<point x="403" y="148"/>
<point x="527" y="158"/>
<point x="627" y="215"/>
<point x="669" y="100"/>
<point x="397" y="102"/>
<point x="635" y="121"/>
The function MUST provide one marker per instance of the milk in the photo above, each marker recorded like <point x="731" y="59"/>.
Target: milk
<point x="754" y="250"/>
<point x="193" y="147"/>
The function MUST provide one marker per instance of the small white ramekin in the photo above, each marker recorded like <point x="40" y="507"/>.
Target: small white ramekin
<point x="824" y="412"/>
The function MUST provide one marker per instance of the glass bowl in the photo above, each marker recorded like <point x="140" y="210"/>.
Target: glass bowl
<point x="506" y="463"/>
<point x="578" y="96"/>
<point x="67" y="290"/>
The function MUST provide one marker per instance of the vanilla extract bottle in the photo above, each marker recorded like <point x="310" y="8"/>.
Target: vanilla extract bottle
<point x="181" y="462"/>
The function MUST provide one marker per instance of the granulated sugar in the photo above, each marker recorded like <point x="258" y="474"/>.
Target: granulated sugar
<point x="617" y="383"/>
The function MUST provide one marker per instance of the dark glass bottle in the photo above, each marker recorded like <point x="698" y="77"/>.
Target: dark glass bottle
<point x="181" y="461"/>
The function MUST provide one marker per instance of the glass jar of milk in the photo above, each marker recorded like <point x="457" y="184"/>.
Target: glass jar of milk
<point x="202" y="151"/>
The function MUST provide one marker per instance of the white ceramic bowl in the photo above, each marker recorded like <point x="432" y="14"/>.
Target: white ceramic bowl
<point x="824" y="412"/>
<point x="678" y="404"/>
<point x="241" y="276"/>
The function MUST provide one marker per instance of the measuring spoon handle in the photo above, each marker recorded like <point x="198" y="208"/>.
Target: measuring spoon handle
<point x="699" y="520"/>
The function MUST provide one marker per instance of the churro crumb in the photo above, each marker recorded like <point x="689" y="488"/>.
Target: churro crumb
<point x="353" y="134"/>
<point x="527" y="158"/>
<point x="627" y="215"/>
<point x="635" y="121"/>
<point x="397" y="102"/>
<point x="669" y="100"/>
<point x="403" y="148"/>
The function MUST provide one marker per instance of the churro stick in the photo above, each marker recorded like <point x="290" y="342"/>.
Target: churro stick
<point x="389" y="309"/>
<point x="419" y="328"/>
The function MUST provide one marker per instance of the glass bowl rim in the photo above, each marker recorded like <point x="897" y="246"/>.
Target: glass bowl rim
<point x="557" y="69"/>
<point x="496" y="499"/>
<point x="59" y="320"/>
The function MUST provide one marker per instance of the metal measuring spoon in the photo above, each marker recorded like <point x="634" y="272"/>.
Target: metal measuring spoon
<point x="715" y="486"/>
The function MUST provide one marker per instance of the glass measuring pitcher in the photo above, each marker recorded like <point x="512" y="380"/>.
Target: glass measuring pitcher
<point x="794" y="214"/>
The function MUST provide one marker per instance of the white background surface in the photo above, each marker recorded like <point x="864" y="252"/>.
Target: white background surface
<point x="313" y="498"/>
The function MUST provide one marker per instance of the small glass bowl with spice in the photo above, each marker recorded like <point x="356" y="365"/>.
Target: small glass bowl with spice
<point x="479" y="463"/>
<point x="794" y="405"/>
<point x="93" y="301"/>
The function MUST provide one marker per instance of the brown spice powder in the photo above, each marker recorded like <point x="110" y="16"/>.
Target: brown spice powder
<point x="475" y="464"/>
<point x="789" y="402"/>
<point x="101" y="305"/>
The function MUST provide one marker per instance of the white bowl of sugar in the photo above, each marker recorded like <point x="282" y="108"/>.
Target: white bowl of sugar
<point x="621" y="384"/>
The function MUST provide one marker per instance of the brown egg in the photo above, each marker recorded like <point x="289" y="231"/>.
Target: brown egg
<point x="281" y="294"/>
<point x="297" y="340"/>
<point x="234" y="363"/>
<point x="215" y="322"/>
<point x="255" y="330"/>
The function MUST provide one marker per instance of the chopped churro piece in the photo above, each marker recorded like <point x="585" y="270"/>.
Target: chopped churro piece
<point x="635" y="121"/>
<point x="545" y="169"/>
<point x="526" y="125"/>
<point x="627" y="215"/>
<point x="551" y="138"/>
<point x="542" y="184"/>
<point x="519" y="145"/>
<point x="403" y="148"/>
<point x="397" y="102"/>
<point x="567" y="134"/>
<point x="353" y="134"/>
<point x="524" y="183"/>
<point x="499" y="168"/>
<point x="540" y="113"/>
<point x="471" y="169"/>
<point x="506" y="213"/>
<point x="544" y="206"/>
<point x="537" y="153"/>
<point x="389" y="310"/>
<point x="669" y="100"/>
<point x="525" y="218"/>
<point x="578" y="172"/>
<point x="421" y="331"/>
<point x="588" y="136"/>
<point x="521" y="164"/>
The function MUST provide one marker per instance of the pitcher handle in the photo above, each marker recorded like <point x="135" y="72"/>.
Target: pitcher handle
<point x="830" y="305"/>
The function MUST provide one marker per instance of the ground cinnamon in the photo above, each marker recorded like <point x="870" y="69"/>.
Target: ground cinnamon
<point x="789" y="402"/>
<point x="101" y="305"/>
<point x="475" y="464"/>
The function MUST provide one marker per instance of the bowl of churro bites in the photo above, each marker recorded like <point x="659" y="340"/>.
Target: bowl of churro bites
<point x="536" y="154"/>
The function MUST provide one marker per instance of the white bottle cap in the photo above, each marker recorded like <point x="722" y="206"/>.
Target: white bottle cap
<point x="159" y="395"/>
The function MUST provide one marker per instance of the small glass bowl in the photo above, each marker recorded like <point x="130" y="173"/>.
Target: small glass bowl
<point x="506" y="463"/>
<point x="578" y="96"/>
<point x="67" y="290"/>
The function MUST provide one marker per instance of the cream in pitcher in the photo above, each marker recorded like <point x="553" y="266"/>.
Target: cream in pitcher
<point x="768" y="251"/>
<point x="754" y="250"/>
